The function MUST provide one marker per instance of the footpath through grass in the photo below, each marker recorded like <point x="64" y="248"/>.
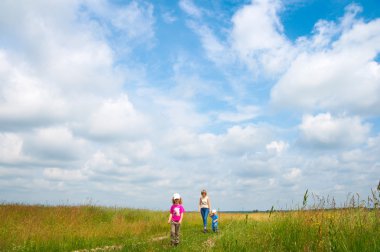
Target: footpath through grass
<point x="82" y="228"/>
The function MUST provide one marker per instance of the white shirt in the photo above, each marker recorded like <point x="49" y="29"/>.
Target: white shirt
<point x="204" y="202"/>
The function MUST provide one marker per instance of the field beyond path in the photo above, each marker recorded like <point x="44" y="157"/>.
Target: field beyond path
<point x="92" y="228"/>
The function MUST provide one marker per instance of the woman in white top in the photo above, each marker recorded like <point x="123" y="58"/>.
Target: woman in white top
<point x="204" y="208"/>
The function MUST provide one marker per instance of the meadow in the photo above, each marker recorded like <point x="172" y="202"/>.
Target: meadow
<point x="94" y="228"/>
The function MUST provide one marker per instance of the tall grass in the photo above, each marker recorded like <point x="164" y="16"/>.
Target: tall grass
<point x="65" y="228"/>
<point x="316" y="226"/>
<point x="320" y="226"/>
<point x="335" y="230"/>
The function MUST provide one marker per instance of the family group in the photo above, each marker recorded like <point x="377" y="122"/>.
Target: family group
<point x="177" y="212"/>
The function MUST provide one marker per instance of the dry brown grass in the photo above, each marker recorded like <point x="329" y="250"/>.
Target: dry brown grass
<point x="43" y="224"/>
<point x="244" y="216"/>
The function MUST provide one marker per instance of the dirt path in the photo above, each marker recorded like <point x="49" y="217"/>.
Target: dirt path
<point x="209" y="243"/>
<point x="102" y="249"/>
<point x="119" y="247"/>
<point x="159" y="238"/>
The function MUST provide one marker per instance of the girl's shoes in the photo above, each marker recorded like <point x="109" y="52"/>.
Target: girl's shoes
<point x="205" y="230"/>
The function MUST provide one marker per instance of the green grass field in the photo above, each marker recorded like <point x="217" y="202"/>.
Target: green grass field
<point x="92" y="228"/>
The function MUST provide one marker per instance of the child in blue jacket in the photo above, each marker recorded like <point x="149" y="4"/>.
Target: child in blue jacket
<point x="214" y="218"/>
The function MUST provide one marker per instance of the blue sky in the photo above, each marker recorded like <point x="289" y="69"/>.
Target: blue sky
<point x="126" y="102"/>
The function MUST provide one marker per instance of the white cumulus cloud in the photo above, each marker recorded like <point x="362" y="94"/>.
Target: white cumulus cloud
<point x="324" y="130"/>
<point x="277" y="147"/>
<point x="258" y="37"/>
<point x="293" y="174"/>
<point x="54" y="143"/>
<point x="337" y="71"/>
<point x="115" y="119"/>
<point x="11" y="148"/>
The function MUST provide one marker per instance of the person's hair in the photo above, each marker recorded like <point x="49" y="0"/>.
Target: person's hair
<point x="203" y="191"/>
<point x="180" y="201"/>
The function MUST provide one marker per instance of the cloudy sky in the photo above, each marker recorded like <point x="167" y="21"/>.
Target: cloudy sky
<point x="126" y="102"/>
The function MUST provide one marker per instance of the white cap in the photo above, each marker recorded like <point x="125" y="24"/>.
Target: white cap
<point x="176" y="196"/>
<point x="213" y="211"/>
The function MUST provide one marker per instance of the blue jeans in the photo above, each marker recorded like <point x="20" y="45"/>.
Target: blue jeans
<point x="204" y="213"/>
<point x="215" y="226"/>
